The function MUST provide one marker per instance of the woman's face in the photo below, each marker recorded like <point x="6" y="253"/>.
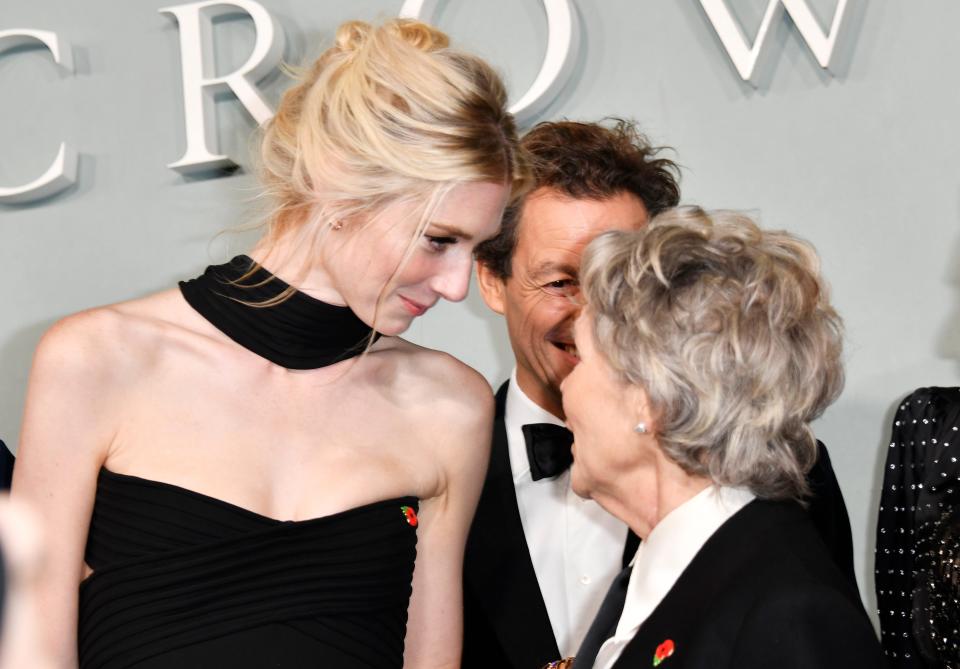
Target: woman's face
<point x="363" y="266"/>
<point x="601" y="411"/>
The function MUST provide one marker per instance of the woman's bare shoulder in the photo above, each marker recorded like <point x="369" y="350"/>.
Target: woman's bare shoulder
<point x="427" y="375"/>
<point x="83" y="370"/>
<point x="450" y="407"/>
<point x="111" y="339"/>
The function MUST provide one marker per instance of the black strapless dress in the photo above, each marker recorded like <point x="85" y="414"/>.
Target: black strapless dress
<point x="187" y="581"/>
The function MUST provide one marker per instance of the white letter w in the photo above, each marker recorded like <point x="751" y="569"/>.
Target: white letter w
<point x="745" y="56"/>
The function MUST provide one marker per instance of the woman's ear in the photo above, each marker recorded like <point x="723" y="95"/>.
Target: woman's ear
<point x="645" y="418"/>
<point x="492" y="287"/>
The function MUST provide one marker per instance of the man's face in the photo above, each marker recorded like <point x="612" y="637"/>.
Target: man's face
<point x="553" y="231"/>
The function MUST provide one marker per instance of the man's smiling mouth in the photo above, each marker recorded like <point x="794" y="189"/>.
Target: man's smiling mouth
<point x="567" y="347"/>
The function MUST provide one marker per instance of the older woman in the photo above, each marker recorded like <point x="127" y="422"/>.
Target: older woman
<point x="707" y="346"/>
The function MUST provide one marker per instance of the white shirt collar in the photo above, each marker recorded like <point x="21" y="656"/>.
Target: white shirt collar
<point x="664" y="555"/>
<point x="520" y="410"/>
<point x="671" y="546"/>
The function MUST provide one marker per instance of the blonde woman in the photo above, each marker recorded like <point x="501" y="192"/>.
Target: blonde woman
<point x="240" y="472"/>
<point x="707" y="346"/>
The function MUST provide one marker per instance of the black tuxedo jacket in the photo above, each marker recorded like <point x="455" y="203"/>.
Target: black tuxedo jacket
<point x="505" y="620"/>
<point x="762" y="593"/>
<point x="6" y="466"/>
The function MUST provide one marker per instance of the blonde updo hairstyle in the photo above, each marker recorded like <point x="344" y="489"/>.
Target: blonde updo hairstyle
<point x="729" y="330"/>
<point x="388" y="112"/>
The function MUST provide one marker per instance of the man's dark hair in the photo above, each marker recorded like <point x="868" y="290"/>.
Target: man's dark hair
<point x="586" y="161"/>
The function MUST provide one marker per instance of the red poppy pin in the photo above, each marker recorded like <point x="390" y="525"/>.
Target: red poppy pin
<point x="410" y="515"/>
<point x="664" y="651"/>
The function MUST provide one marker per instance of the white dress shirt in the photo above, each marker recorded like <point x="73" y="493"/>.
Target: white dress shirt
<point x="576" y="547"/>
<point x="663" y="556"/>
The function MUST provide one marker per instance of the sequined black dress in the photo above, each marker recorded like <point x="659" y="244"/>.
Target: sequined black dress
<point x="921" y="492"/>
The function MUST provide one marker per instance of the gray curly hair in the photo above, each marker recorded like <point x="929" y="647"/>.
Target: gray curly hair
<point x="729" y="330"/>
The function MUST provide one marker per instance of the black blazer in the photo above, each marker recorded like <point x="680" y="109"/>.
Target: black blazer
<point x="505" y="620"/>
<point x="762" y="593"/>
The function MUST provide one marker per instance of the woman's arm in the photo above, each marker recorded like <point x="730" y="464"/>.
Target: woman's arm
<point x="23" y="554"/>
<point x="63" y="443"/>
<point x="435" y="624"/>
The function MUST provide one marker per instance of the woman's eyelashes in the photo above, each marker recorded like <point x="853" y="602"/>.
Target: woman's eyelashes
<point x="440" y="244"/>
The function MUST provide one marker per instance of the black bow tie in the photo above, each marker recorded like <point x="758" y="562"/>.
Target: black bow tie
<point x="548" y="449"/>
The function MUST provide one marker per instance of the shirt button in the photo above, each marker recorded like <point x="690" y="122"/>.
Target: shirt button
<point x="585" y="580"/>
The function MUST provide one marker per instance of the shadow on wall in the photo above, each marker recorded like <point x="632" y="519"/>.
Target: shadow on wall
<point x="470" y="332"/>
<point x="86" y="164"/>
<point x="496" y="328"/>
<point x="948" y="346"/>
<point x="876" y="469"/>
<point x="948" y="343"/>
<point x="572" y="90"/>
<point x="86" y="170"/>
<point x="16" y="355"/>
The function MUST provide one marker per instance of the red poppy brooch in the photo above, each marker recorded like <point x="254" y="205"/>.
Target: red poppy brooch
<point x="663" y="651"/>
<point x="410" y="515"/>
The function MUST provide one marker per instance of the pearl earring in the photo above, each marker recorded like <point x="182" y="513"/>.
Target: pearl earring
<point x="641" y="428"/>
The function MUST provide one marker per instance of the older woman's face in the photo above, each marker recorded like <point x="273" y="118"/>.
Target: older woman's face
<point x="601" y="411"/>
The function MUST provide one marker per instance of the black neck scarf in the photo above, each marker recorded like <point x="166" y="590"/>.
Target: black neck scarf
<point x="299" y="333"/>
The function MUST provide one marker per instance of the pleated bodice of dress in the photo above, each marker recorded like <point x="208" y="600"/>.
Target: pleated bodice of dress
<point x="184" y="580"/>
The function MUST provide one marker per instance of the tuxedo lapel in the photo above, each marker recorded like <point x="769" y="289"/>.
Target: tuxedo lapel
<point x="6" y="467"/>
<point x="497" y="565"/>
<point x="630" y="547"/>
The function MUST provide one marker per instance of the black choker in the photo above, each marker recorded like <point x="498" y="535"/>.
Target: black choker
<point x="299" y="333"/>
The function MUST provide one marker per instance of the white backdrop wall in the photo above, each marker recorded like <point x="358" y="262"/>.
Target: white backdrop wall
<point x="863" y="162"/>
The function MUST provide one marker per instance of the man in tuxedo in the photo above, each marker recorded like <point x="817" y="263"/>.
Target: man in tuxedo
<point x="539" y="559"/>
